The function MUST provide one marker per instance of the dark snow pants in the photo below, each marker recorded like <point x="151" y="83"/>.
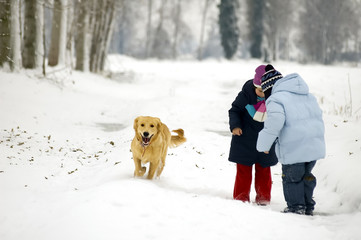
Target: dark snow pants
<point x="298" y="185"/>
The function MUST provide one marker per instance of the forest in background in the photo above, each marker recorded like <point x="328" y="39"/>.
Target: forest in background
<point x="80" y="33"/>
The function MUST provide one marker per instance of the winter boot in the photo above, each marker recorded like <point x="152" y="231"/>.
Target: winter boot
<point x="300" y="211"/>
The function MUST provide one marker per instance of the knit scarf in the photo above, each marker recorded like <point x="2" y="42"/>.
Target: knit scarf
<point x="258" y="111"/>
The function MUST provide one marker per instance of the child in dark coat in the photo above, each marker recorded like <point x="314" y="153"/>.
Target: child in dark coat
<point x="246" y="119"/>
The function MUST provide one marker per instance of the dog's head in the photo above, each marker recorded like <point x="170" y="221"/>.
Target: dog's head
<point x="146" y="129"/>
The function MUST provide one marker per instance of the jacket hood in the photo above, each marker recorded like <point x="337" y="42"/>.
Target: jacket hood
<point x="293" y="83"/>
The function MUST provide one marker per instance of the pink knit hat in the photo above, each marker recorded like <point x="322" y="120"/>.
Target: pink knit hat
<point x="260" y="70"/>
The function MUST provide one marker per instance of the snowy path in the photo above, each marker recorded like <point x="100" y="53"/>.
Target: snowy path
<point x="66" y="170"/>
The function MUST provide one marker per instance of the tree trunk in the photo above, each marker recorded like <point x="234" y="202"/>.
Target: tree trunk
<point x="58" y="34"/>
<point x="81" y="43"/>
<point x="103" y="23"/>
<point x="5" y="19"/>
<point x="109" y="26"/>
<point x="15" y="42"/>
<point x="101" y="34"/>
<point x="30" y="31"/>
<point x="39" y="36"/>
<point x="70" y="29"/>
<point x="96" y="21"/>
<point x="44" y="45"/>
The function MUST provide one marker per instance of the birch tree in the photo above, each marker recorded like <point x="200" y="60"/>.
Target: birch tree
<point x="102" y="23"/>
<point x="108" y="31"/>
<point x="70" y="30"/>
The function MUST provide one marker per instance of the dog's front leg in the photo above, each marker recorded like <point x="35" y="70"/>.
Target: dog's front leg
<point x="152" y="168"/>
<point x="139" y="170"/>
<point x="162" y="163"/>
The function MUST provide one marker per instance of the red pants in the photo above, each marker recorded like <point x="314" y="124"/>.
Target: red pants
<point x="263" y="183"/>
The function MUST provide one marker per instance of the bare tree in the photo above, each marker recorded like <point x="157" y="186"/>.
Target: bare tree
<point x="161" y="44"/>
<point x="32" y="53"/>
<point x="82" y="36"/>
<point x="58" y="34"/>
<point x="15" y="42"/>
<point x="39" y="36"/>
<point x="102" y="23"/>
<point x="351" y="32"/>
<point x="5" y="20"/>
<point x="277" y="21"/>
<point x="108" y="32"/>
<point x="326" y="27"/>
<point x="94" y="25"/>
<point x="70" y="30"/>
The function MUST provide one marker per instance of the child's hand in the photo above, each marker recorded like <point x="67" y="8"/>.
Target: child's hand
<point x="237" y="131"/>
<point x="266" y="152"/>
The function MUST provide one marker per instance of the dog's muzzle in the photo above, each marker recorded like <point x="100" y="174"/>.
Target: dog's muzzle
<point x="146" y="139"/>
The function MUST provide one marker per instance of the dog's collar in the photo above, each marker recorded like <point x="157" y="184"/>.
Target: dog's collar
<point x="144" y="148"/>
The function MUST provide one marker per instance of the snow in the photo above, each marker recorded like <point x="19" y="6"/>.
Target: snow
<point x="66" y="170"/>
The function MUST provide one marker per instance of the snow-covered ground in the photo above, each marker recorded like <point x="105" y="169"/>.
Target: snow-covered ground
<point x="66" y="170"/>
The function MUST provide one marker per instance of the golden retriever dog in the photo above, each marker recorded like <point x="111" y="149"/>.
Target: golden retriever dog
<point x="150" y="144"/>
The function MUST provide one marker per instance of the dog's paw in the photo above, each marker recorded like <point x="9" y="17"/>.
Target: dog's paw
<point x="140" y="172"/>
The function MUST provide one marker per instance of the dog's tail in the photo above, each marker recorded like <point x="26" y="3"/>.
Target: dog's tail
<point x="177" y="140"/>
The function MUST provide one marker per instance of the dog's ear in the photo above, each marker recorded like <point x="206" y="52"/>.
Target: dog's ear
<point x="135" y="125"/>
<point x="159" y="123"/>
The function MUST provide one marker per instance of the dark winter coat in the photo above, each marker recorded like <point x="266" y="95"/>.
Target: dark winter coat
<point x="243" y="148"/>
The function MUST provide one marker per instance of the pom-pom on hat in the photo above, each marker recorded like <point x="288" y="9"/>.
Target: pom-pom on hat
<point x="269" y="78"/>
<point x="260" y="70"/>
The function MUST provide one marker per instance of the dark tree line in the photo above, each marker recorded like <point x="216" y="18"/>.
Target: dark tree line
<point x="331" y="30"/>
<point x="320" y="30"/>
<point x="80" y="33"/>
<point x="255" y="19"/>
<point x="228" y="27"/>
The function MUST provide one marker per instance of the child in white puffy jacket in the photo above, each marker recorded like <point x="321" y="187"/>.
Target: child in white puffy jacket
<point x="294" y="121"/>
